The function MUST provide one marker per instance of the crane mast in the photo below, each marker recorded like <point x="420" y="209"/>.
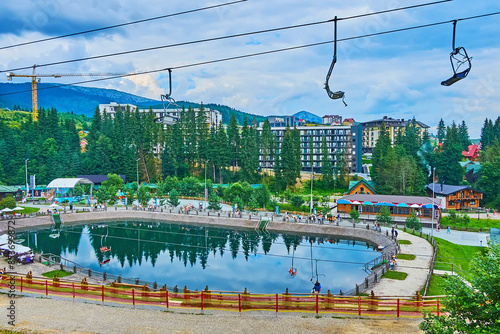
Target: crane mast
<point x="35" y="78"/>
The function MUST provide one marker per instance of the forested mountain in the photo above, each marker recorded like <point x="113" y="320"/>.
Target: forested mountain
<point x="83" y="100"/>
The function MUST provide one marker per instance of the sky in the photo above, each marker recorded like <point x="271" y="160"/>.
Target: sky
<point x="396" y="75"/>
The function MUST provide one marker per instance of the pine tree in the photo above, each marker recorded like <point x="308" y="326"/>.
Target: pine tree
<point x="447" y="158"/>
<point x="379" y="152"/>
<point x="223" y="151"/>
<point x="463" y="134"/>
<point x="288" y="159"/>
<point x="247" y="153"/>
<point x="487" y="134"/>
<point x="265" y="143"/>
<point x="234" y="139"/>
<point x="326" y="166"/>
<point x="441" y="131"/>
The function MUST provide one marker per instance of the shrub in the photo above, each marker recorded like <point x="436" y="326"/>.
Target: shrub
<point x="413" y="222"/>
<point x="8" y="202"/>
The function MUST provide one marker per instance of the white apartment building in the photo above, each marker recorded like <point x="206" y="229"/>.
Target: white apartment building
<point x="338" y="138"/>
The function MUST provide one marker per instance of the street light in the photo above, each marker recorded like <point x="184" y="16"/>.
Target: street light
<point x="138" y="171"/>
<point x="432" y="218"/>
<point x="205" y="194"/>
<point x="26" y="171"/>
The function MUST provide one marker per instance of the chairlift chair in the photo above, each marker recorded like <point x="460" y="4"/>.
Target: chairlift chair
<point x="458" y="57"/>
<point x="55" y="233"/>
<point x="167" y="98"/>
<point x="338" y="94"/>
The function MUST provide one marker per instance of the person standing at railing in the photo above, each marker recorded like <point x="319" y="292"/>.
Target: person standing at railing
<point x="316" y="288"/>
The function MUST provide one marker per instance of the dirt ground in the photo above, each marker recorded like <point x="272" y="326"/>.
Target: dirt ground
<point x="40" y="315"/>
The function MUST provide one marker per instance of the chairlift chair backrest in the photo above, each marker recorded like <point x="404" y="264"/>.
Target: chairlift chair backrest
<point x="338" y="94"/>
<point x="458" y="57"/>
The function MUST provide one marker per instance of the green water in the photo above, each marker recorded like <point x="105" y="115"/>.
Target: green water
<point x="222" y="259"/>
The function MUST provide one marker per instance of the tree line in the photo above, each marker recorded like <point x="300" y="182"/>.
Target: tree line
<point x="407" y="165"/>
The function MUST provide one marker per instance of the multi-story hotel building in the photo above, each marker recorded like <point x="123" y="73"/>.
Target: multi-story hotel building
<point x="371" y="130"/>
<point x="339" y="138"/>
<point x="169" y="117"/>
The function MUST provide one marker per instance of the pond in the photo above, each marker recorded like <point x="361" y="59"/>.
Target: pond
<point x="200" y="256"/>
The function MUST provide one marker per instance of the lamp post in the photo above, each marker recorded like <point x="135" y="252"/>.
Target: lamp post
<point x="432" y="218"/>
<point x="205" y="194"/>
<point x="312" y="173"/>
<point x="138" y="171"/>
<point x="26" y="172"/>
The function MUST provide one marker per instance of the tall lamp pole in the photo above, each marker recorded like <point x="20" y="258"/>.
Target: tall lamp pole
<point x="432" y="218"/>
<point x="26" y="171"/>
<point x="205" y="194"/>
<point x="138" y="171"/>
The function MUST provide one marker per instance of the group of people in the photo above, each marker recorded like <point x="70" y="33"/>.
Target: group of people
<point x="394" y="233"/>
<point x="392" y="262"/>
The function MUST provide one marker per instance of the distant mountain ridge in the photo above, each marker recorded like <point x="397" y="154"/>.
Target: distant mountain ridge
<point x="308" y="117"/>
<point x="84" y="100"/>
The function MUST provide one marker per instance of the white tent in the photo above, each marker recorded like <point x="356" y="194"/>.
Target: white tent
<point x="4" y="238"/>
<point x="17" y="248"/>
<point x="69" y="183"/>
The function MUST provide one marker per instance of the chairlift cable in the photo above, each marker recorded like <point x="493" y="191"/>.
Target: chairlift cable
<point x="241" y="251"/>
<point x="251" y="54"/>
<point x="123" y="24"/>
<point x="210" y="39"/>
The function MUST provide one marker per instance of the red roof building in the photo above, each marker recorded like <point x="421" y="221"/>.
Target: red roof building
<point x="473" y="153"/>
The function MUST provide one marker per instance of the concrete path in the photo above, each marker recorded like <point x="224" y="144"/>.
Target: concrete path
<point x="417" y="269"/>
<point x="460" y="237"/>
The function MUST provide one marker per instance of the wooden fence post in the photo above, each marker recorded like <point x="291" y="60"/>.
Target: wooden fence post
<point x="201" y="302"/>
<point x="398" y="308"/>
<point x="276" y="305"/>
<point x="317" y="303"/>
<point x="359" y="305"/>
<point x="133" y="297"/>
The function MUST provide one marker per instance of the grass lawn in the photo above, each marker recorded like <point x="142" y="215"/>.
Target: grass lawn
<point x="53" y="273"/>
<point x="395" y="275"/>
<point x="27" y="210"/>
<point x="404" y="242"/>
<point x="485" y="224"/>
<point x="405" y="256"/>
<point x="436" y="286"/>
<point x="458" y="255"/>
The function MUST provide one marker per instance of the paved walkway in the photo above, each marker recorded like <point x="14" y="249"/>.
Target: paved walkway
<point x="460" y="237"/>
<point x="416" y="269"/>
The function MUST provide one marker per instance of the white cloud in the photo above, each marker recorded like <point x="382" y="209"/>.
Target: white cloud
<point x="396" y="75"/>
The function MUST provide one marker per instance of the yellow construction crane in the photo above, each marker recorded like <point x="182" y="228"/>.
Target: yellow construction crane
<point x="35" y="78"/>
